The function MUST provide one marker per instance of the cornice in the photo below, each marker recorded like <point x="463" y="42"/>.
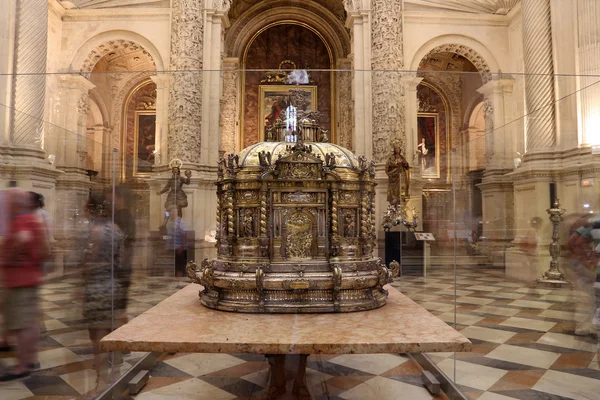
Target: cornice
<point x="441" y="18"/>
<point x="111" y="14"/>
<point x="56" y="8"/>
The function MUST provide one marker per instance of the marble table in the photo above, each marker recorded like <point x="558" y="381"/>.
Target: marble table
<point x="181" y="324"/>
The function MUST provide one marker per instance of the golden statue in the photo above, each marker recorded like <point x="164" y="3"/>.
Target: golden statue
<point x="397" y="170"/>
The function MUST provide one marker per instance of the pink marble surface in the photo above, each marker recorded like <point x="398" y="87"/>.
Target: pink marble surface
<point x="181" y="324"/>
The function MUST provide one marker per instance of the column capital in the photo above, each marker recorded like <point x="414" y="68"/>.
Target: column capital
<point x="161" y="81"/>
<point x="79" y="82"/>
<point x="497" y="86"/>
<point x="231" y="62"/>
<point x="412" y="81"/>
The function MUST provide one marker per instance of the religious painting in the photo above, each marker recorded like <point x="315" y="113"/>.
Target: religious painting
<point x="145" y="142"/>
<point x="275" y="102"/>
<point x="428" y="144"/>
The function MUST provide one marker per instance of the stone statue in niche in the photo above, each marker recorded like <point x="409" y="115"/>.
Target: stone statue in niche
<point x="349" y="225"/>
<point x="299" y="239"/>
<point x="422" y="152"/>
<point x="397" y="170"/>
<point x="176" y="198"/>
<point x="248" y="223"/>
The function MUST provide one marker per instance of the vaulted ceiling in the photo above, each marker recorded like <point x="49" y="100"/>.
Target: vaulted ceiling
<point x="470" y="6"/>
<point x="335" y="6"/>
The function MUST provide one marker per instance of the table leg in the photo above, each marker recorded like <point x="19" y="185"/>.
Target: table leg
<point x="277" y="382"/>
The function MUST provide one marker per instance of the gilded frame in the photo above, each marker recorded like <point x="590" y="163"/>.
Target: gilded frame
<point x="278" y="90"/>
<point x="430" y="171"/>
<point x="139" y="116"/>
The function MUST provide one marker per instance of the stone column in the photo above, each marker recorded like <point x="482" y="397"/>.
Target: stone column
<point x="359" y="24"/>
<point x="162" y="118"/>
<point x="539" y="79"/>
<point x="496" y="188"/>
<point x="588" y="14"/>
<point x="388" y="88"/>
<point x="564" y="38"/>
<point x="229" y="106"/>
<point x="216" y="21"/>
<point x="185" y="103"/>
<point x="68" y="131"/>
<point x="345" y="122"/>
<point x="411" y="83"/>
<point x="29" y="81"/>
<point x="68" y="143"/>
<point x="500" y="147"/>
<point x="7" y="41"/>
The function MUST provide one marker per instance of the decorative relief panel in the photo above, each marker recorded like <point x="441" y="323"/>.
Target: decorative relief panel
<point x="299" y="236"/>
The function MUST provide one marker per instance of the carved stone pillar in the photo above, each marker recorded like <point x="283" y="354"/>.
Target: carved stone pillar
<point x="229" y="106"/>
<point x="345" y="105"/>
<point x="539" y="70"/>
<point x="588" y="14"/>
<point x="186" y="95"/>
<point x="29" y="79"/>
<point x="162" y="118"/>
<point x="388" y="88"/>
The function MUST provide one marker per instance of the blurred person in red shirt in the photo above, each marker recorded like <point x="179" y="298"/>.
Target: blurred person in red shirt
<point x="25" y="249"/>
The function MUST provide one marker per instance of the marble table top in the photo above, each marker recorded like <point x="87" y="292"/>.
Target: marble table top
<point x="181" y="324"/>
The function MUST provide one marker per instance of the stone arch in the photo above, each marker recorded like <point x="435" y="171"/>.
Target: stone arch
<point x="474" y="51"/>
<point x="101" y="112"/>
<point x="90" y="52"/>
<point x="469" y="111"/>
<point x="270" y="12"/>
<point x="119" y="103"/>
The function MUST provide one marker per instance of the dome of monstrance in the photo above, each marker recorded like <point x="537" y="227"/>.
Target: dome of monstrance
<point x="295" y="231"/>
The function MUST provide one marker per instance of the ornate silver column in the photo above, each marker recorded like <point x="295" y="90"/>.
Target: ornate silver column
<point x="388" y="86"/>
<point x="539" y="70"/>
<point x="185" y="103"/>
<point x="29" y="82"/>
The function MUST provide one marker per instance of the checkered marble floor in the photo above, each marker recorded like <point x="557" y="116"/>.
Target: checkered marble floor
<point x="524" y="345"/>
<point x="523" y="348"/>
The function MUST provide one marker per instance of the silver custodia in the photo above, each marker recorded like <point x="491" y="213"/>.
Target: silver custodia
<point x="296" y="231"/>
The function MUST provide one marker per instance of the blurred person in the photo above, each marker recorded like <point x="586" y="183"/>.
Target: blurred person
<point x="101" y="267"/>
<point x="24" y="252"/>
<point x="176" y="241"/>
<point x="38" y="204"/>
<point x="125" y="220"/>
<point x="582" y="244"/>
<point x="4" y="209"/>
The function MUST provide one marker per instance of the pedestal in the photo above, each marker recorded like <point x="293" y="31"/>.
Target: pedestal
<point x="403" y="247"/>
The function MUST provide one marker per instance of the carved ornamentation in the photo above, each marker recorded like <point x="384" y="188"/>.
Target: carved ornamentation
<point x="299" y="236"/>
<point x="109" y="47"/>
<point x="228" y="118"/>
<point x="387" y="85"/>
<point x="248" y="223"/>
<point x="474" y="57"/>
<point x="82" y="109"/>
<point x="299" y="197"/>
<point x="349" y="224"/>
<point x="185" y="103"/>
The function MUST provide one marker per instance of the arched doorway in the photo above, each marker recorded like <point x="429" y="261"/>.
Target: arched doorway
<point x="449" y="74"/>
<point x="284" y="46"/>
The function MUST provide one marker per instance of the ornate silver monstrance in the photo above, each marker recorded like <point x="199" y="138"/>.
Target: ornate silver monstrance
<point x="295" y="229"/>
